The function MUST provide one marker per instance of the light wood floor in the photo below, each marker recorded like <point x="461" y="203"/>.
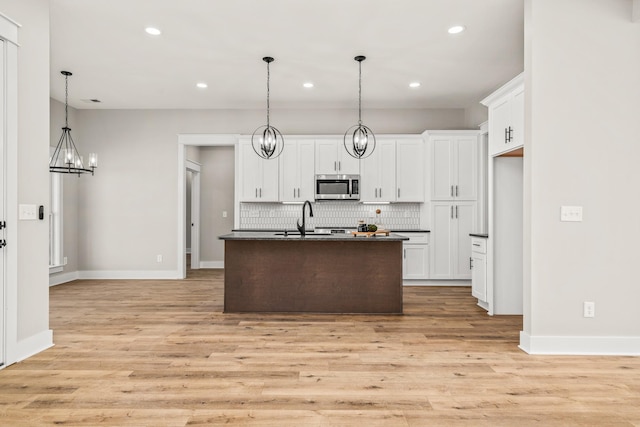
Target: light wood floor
<point x="161" y="353"/>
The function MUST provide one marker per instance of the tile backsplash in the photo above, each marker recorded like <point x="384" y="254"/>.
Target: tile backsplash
<point x="277" y="216"/>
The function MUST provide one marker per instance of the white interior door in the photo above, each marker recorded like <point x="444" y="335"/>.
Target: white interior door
<point x="2" y="209"/>
<point x="194" y="168"/>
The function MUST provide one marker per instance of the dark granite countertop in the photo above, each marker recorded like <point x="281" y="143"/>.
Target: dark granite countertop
<point x="483" y="235"/>
<point x="279" y="235"/>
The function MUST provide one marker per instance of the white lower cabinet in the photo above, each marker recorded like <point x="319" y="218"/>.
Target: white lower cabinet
<point x="479" y="270"/>
<point x="451" y="225"/>
<point x="415" y="256"/>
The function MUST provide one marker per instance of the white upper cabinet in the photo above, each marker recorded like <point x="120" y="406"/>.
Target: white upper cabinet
<point x="259" y="177"/>
<point x="378" y="173"/>
<point x="506" y="117"/>
<point x="332" y="158"/>
<point x="454" y="162"/>
<point x="410" y="167"/>
<point x="297" y="171"/>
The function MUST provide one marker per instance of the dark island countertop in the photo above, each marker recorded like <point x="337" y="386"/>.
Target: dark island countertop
<point x="295" y="236"/>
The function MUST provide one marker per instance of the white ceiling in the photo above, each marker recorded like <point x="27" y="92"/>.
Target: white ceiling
<point x="222" y="42"/>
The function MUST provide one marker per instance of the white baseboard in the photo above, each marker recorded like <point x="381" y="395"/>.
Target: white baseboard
<point x="59" y="279"/>
<point x="436" y="282"/>
<point x="30" y="346"/>
<point x="211" y="264"/>
<point x="575" y="345"/>
<point x="130" y="274"/>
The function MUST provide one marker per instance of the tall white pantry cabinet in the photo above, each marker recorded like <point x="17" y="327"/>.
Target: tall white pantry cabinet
<point x="505" y="199"/>
<point x="454" y="206"/>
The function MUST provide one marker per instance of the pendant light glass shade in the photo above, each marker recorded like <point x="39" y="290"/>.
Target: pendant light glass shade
<point x="66" y="158"/>
<point x="267" y="141"/>
<point x="359" y="140"/>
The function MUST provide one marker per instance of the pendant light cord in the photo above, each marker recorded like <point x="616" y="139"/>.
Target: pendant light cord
<point x="359" y="92"/>
<point x="66" y="101"/>
<point x="268" y="78"/>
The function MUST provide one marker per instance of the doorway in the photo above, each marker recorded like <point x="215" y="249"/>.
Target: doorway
<point x="184" y="142"/>
<point x="2" y="210"/>
<point x="192" y="204"/>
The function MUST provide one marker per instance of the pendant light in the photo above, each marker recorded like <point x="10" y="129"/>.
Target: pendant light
<point x="267" y="141"/>
<point x="65" y="158"/>
<point x="359" y="140"/>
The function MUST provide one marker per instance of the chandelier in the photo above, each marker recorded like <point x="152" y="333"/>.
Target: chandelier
<point x="66" y="158"/>
<point x="359" y="140"/>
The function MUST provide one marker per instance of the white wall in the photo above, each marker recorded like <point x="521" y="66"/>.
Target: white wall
<point x="127" y="212"/>
<point x="581" y="148"/>
<point x="33" y="177"/>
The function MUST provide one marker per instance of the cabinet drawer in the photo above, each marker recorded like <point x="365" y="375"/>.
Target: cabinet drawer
<point x="479" y="245"/>
<point x="416" y="238"/>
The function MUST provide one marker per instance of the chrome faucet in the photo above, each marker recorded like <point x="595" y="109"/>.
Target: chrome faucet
<point x="301" y="228"/>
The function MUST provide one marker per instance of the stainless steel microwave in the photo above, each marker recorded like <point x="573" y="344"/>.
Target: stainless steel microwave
<point x="337" y="187"/>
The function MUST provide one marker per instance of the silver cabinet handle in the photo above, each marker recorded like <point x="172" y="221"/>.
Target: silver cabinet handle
<point x="298" y="191"/>
<point x="476" y="244"/>
<point x="256" y="192"/>
<point x="339" y="165"/>
<point x="452" y="191"/>
<point x="294" y="193"/>
<point x="506" y="135"/>
<point x="405" y="254"/>
<point x="261" y="193"/>
<point x="376" y="191"/>
<point x="456" y="190"/>
<point x="470" y="263"/>
<point x="456" y="211"/>
<point x="335" y="166"/>
<point x="398" y="193"/>
<point x="380" y="192"/>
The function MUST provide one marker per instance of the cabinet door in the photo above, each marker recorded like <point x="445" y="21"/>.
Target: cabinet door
<point x="326" y="157"/>
<point x="250" y="173"/>
<point x="270" y="180"/>
<point x="466" y="168"/>
<point x="306" y="163"/>
<point x="347" y="165"/>
<point x="410" y="171"/>
<point x="369" y="178"/>
<point x="442" y="162"/>
<point x="479" y="276"/>
<point x="499" y="122"/>
<point x="464" y="222"/>
<point x="517" y="119"/>
<point x="415" y="263"/>
<point x="289" y="177"/>
<point x="442" y="239"/>
<point x="387" y="170"/>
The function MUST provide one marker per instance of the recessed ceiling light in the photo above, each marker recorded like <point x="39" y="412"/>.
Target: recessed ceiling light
<point x="308" y="85"/>
<point x="414" y="84"/>
<point x="202" y="85"/>
<point x="456" y="29"/>
<point x="153" y="31"/>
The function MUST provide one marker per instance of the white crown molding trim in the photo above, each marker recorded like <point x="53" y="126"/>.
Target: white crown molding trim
<point x="129" y="274"/>
<point x="31" y="346"/>
<point x="59" y="279"/>
<point x="574" y="345"/>
<point x="211" y="264"/>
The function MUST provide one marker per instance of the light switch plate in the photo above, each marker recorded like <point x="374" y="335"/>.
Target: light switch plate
<point x="571" y="213"/>
<point x="27" y="212"/>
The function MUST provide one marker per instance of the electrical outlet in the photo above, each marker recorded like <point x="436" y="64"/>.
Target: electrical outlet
<point x="158" y="258"/>
<point x="589" y="309"/>
<point x="64" y="261"/>
<point x="224" y="214"/>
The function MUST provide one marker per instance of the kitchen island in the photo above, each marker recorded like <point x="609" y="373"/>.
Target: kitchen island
<point x="315" y="273"/>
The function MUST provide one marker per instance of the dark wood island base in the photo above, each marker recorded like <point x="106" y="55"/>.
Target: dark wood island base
<point x="313" y="276"/>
